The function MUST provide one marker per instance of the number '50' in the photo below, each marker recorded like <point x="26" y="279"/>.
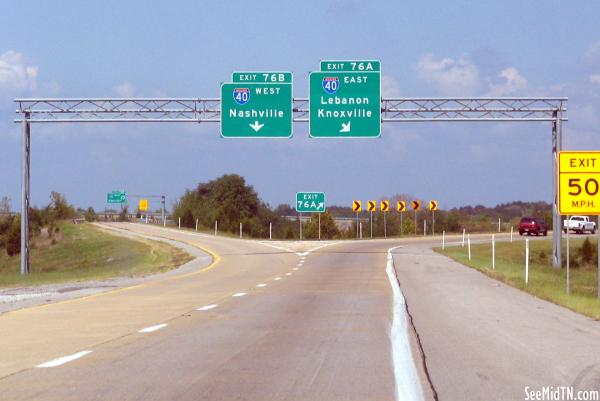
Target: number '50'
<point x="591" y="186"/>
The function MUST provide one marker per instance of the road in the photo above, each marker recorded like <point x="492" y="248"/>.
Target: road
<point x="299" y="321"/>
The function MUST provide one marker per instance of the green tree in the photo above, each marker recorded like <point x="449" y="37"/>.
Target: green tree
<point x="60" y="207"/>
<point x="329" y="229"/>
<point x="13" y="237"/>
<point x="123" y="214"/>
<point x="587" y="252"/>
<point x="90" y="214"/>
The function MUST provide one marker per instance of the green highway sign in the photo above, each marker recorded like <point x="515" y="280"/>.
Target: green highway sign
<point x="344" y="102"/>
<point x="116" y="197"/>
<point x="352" y="66"/>
<point x="310" y="202"/>
<point x="252" y="108"/>
<point x="264" y="77"/>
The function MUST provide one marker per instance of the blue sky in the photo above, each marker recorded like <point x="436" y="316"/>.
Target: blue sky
<point x="187" y="48"/>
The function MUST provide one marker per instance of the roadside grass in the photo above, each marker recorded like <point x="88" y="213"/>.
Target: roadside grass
<point x="87" y="252"/>
<point x="545" y="281"/>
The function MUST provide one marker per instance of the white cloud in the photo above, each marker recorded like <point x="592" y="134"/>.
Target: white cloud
<point x="390" y="87"/>
<point x="457" y="77"/>
<point x="125" y="89"/>
<point x="595" y="79"/>
<point x="16" y="74"/>
<point x="512" y="81"/>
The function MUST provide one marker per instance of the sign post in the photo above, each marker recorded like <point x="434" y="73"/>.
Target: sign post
<point x="578" y="189"/>
<point x="372" y="207"/>
<point x="257" y="105"/>
<point x="415" y="205"/>
<point x="385" y="208"/>
<point x="345" y="100"/>
<point x="310" y="202"/>
<point x="357" y="208"/>
<point x="433" y="206"/>
<point x="401" y="207"/>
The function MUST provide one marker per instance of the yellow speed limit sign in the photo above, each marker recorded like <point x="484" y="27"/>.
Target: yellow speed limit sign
<point x="579" y="182"/>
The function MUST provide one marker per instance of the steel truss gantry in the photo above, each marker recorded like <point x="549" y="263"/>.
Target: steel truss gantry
<point x="201" y="110"/>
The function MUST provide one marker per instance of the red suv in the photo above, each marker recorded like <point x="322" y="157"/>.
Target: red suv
<point x="533" y="225"/>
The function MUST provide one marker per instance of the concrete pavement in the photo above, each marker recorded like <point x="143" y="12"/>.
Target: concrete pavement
<point x="299" y="321"/>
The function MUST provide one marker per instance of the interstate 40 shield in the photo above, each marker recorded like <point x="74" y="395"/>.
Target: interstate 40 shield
<point x="256" y="110"/>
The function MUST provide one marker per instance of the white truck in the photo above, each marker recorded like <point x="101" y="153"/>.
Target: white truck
<point x="579" y="224"/>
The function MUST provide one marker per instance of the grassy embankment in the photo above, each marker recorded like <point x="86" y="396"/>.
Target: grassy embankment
<point x="545" y="281"/>
<point x="86" y="252"/>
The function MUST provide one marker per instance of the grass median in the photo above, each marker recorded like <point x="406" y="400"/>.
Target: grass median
<point x="545" y="281"/>
<point x="86" y="252"/>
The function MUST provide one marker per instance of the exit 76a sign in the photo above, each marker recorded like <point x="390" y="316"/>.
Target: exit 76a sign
<point x="579" y="182"/>
<point x="345" y="100"/>
<point x="310" y="202"/>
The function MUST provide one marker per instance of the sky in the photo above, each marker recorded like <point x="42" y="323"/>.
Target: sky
<point x="188" y="48"/>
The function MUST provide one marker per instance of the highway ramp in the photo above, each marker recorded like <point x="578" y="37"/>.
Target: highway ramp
<point x="298" y="321"/>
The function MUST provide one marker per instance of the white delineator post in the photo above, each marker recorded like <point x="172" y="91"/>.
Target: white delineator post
<point x="493" y="252"/>
<point x="443" y="240"/>
<point x="469" y="245"/>
<point x="216" y="226"/>
<point x="240" y="229"/>
<point x="499" y="224"/>
<point x="179" y="223"/>
<point x="463" y="240"/>
<point x="196" y="224"/>
<point x="511" y="233"/>
<point x="526" y="260"/>
<point x="360" y="228"/>
<point x="270" y="231"/>
<point x="424" y="228"/>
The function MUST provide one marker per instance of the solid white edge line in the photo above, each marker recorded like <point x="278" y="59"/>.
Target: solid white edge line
<point x="207" y="307"/>
<point x="152" y="328"/>
<point x="239" y="294"/>
<point x="61" y="361"/>
<point x="408" y="385"/>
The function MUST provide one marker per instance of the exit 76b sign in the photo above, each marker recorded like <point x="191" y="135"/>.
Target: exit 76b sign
<point x="310" y="202"/>
<point x="257" y="105"/>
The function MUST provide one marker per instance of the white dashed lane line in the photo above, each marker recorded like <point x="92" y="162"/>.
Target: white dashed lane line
<point x="153" y="328"/>
<point x="207" y="307"/>
<point x="61" y="361"/>
<point x="239" y="294"/>
<point x="288" y="274"/>
<point x="295" y="268"/>
<point x="261" y="285"/>
<point x="277" y="278"/>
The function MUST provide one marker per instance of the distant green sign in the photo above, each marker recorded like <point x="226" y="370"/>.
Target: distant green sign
<point x="345" y="100"/>
<point x="310" y="202"/>
<point x="257" y="105"/>
<point x="116" y="197"/>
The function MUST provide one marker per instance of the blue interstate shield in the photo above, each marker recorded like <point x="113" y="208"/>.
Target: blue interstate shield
<point x="241" y="95"/>
<point x="331" y="84"/>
